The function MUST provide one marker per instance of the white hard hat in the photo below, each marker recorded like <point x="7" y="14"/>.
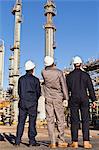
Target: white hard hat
<point x="48" y="61"/>
<point x="29" y="65"/>
<point x="77" y="60"/>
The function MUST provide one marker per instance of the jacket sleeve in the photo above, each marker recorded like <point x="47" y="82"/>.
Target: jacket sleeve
<point x="38" y="89"/>
<point x="64" y="87"/>
<point x="91" y="89"/>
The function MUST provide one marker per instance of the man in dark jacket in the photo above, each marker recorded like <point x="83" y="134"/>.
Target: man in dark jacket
<point x="29" y="92"/>
<point x="79" y="83"/>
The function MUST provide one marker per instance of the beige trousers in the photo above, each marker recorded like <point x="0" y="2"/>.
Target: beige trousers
<point x="55" y="111"/>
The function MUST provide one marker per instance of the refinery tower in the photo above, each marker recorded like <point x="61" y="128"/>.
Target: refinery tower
<point x="15" y="57"/>
<point x="1" y="67"/>
<point x="50" y="12"/>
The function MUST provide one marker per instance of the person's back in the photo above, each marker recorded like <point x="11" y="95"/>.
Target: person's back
<point x="28" y="90"/>
<point x="79" y="82"/>
<point x="53" y="79"/>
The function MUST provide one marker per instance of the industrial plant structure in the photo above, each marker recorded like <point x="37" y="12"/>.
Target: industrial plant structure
<point x="15" y="57"/>
<point x="50" y="12"/>
<point x="10" y="106"/>
<point x="1" y="67"/>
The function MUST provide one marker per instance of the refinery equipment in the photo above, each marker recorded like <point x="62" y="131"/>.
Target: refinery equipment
<point x="50" y="12"/>
<point x="11" y="72"/>
<point x="1" y="67"/>
<point x="93" y="68"/>
<point x="6" y="114"/>
<point x="15" y="58"/>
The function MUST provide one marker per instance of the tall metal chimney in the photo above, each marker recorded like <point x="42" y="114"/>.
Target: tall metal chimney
<point x="17" y="12"/>
<point x="50" y="12"/>
<point x="1" y="67"/>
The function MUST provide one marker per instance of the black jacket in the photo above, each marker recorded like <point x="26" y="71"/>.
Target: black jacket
<point x="29" y="90"/>
<point x="79" y="82"/>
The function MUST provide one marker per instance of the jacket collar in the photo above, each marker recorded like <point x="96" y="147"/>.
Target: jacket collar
<point x="51" y="68"/>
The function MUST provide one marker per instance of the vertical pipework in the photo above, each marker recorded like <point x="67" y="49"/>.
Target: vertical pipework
<point x="17" y="12"/>
<point x="1" y="67"/>
<point x="50" y="12"/>
<point x="11" y="68"/>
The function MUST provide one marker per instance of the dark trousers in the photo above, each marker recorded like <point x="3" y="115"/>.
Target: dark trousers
<point x="32" y="111"/>
<point x="83" y="106"/>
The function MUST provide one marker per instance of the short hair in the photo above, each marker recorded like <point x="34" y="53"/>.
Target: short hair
<point x="29" y="71"/>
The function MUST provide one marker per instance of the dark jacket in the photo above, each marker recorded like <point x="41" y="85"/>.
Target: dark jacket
<point x="79" y="83"/>
<point x="29" y="90"/>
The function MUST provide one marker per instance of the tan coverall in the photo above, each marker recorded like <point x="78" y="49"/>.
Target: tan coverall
<point x="55" y="91"/>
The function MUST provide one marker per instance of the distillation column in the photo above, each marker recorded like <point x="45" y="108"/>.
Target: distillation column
<point x="50" y="12"/>
<point x="11" y="72"/>
<point x="17" y="12"/>
<point x="1" y="67"/>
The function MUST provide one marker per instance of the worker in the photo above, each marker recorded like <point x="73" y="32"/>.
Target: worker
<point x="79" y="84"/>
<point x="29" y="92"/>
<point x="55" y="91"/>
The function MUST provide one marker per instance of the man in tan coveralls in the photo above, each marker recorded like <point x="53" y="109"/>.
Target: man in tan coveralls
<point x="55" y="91"/>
